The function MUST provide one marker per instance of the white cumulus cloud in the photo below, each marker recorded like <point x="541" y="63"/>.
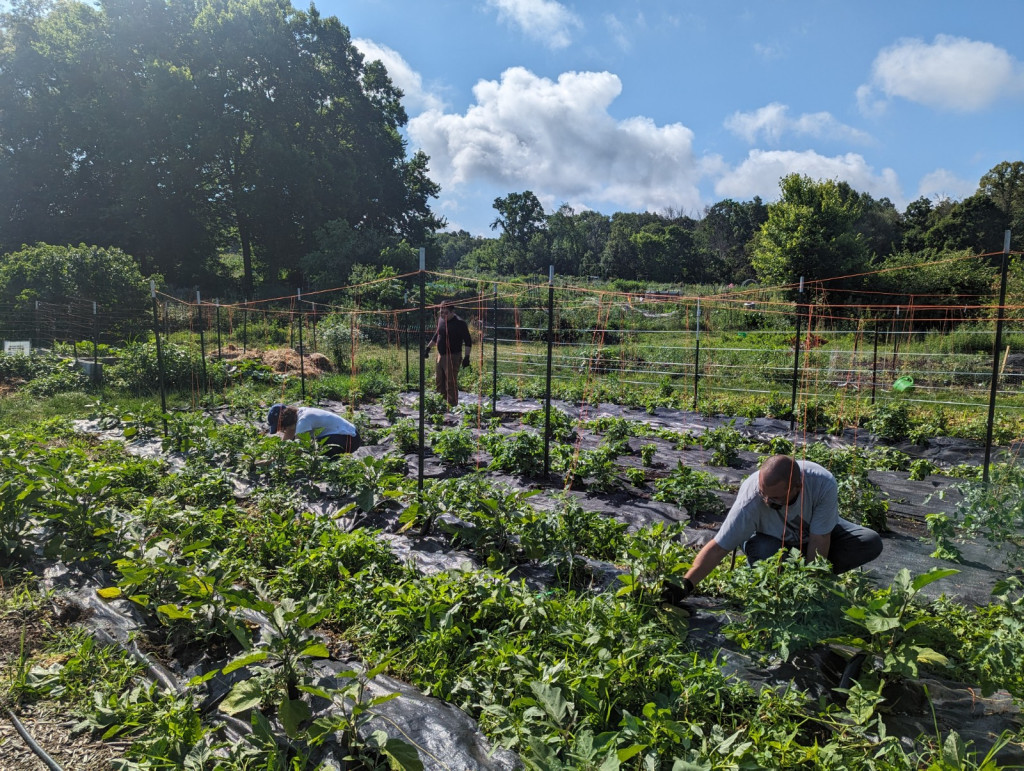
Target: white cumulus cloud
<point x="557" y="139"/>
<point x="548" y="21"/>
<point x="773" y="121"/>
<point x="417" y="98"/>
<point x="950" y="73"/>
<point x="941" y="184"/>
<point x="760" y="172"/>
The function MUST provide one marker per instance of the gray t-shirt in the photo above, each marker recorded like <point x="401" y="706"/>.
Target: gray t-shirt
<point x="318" y="423"/>
<point x="814" y="512"/>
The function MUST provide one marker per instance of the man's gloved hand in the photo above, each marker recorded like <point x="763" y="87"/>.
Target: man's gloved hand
<point x="465" y="361"/>
<point x="426" y="352"/>
<point x="673" y="592"/>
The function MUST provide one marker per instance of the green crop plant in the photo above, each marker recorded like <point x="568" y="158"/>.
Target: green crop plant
<point x="893" y="638"/>
<point x="278" y="665"/>
<point x="647" y="453"/>
<point x="942" y="530"/>
<point x="889" y="420"/>
<point x="689" y="489"/>
<point x="861" y="500"/>
<point x="596" y="468"/>
<point x="454" y="445"/>
<point x="787" y="603"/>
<point x="521" y="452"/>
<point x="636" y="476"/>
<point x="996" y="510"/>
<point x="563" y="428"/>
<point x="724" y="442"/>
<point x="406" y="435"/>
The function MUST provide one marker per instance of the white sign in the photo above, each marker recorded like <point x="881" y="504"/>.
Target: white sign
<point x="18" y="347"/>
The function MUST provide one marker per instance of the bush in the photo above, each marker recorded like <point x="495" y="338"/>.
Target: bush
<point x="64" y="378"/>
<point x="137" y="369"/>
<point x="454" y="445"/>
<point x="64" y="275"/>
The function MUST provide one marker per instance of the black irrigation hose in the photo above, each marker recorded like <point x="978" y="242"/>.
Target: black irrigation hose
<point x="39" y="751"/>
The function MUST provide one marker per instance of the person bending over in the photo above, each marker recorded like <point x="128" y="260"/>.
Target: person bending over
<point x="451" y="334"/>
<point x="333" y="433"/>
<point x="788" y="504"/>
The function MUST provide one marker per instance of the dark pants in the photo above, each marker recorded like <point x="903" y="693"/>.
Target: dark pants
<point x="851" y="546"/>
<point x="338" y="444"/>
<point x="447" y="377"/>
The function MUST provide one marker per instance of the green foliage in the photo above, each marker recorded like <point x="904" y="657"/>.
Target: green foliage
<point x="860" y="500"/>
<point x="647" y="453"/>
<point x="811" y="232"/>
<point x="888" y="631"/>
<point x="689" y="489"/>
<point x="942" y="531"/>
<point x="66" y="376"/>
<point x="454" y="445"/>
<point x="64" y="275"/>
<point x="521" y="452"/>
<point x="406" y="433"/>
<point x="889" y="420"/>
<point x="996" y="510"/>
<point x="724" y="442"/>
<point x="563" y="428"/>
<point x="788" y="604"/>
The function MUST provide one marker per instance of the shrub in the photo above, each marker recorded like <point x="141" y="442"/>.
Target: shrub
<point x="689" y="489"/>
<point x="455" y="445"/>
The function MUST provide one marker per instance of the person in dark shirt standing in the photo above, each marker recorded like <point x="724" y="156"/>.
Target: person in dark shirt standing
<point x="451" y="335"/>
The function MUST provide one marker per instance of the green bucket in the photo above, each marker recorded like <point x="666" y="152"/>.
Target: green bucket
<point x="905" y="383"/>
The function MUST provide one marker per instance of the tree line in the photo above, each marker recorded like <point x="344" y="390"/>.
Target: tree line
<point x="239" y="144"/>
<point x="182" y="131"/>
<point x="818" y="229"/>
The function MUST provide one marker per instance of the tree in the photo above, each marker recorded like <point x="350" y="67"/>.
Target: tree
<point x="66" y="275"/>
<point x="577" y="240"/>
<point x="620" y="258"/>
<point x="1003" y="184"/>
<point x="520" y="215"/>
<point x="810" y="232"/>
<point x="725" y="233"/>
<point x="177" y="129"/>
<point x="975" y="224"/>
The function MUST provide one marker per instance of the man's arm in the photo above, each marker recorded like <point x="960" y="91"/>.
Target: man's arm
<point x="818" y="544"/>
<point x="706" y="561"/>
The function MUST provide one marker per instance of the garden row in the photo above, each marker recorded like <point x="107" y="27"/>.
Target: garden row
<point x="248" y="563"/>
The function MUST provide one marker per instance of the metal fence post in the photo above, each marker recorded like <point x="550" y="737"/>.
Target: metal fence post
<point x="547" y="386"/>
<point x="202" y="341"/>
<point x="796" y="360"/>
<point x="996" y="348"/>
<point x="159" y="355"/>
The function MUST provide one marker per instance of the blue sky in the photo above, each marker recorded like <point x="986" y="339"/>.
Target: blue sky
<point x="671" y="105"/>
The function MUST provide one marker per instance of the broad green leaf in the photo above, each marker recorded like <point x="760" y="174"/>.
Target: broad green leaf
<point x="878" y="624"/>
<point x="929" y="656"/>
<point x="244" y="661"/>
<point x="318" y="650"/>
<point x="627" y="752"/>
<point x="174" y="613"/>
<point x="402" y="755"/>
<point x="924" y="579"/>
<point x="200" y="679"/>
<point x="292" y="713"/>
<point x="245" y="695"/>
<point x="109" y="592"/>
<point x="551" y="699"/>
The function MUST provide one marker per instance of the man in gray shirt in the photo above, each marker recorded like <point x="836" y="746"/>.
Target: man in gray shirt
<point x="787" y="504"/>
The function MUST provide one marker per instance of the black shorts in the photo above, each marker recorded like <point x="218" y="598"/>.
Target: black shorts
<point x="338" y="444"/>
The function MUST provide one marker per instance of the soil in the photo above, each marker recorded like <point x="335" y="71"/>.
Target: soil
<point x="23" y="632"/>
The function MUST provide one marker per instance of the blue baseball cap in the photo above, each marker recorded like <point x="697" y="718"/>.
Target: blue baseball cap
<point x="273" y="416"/>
